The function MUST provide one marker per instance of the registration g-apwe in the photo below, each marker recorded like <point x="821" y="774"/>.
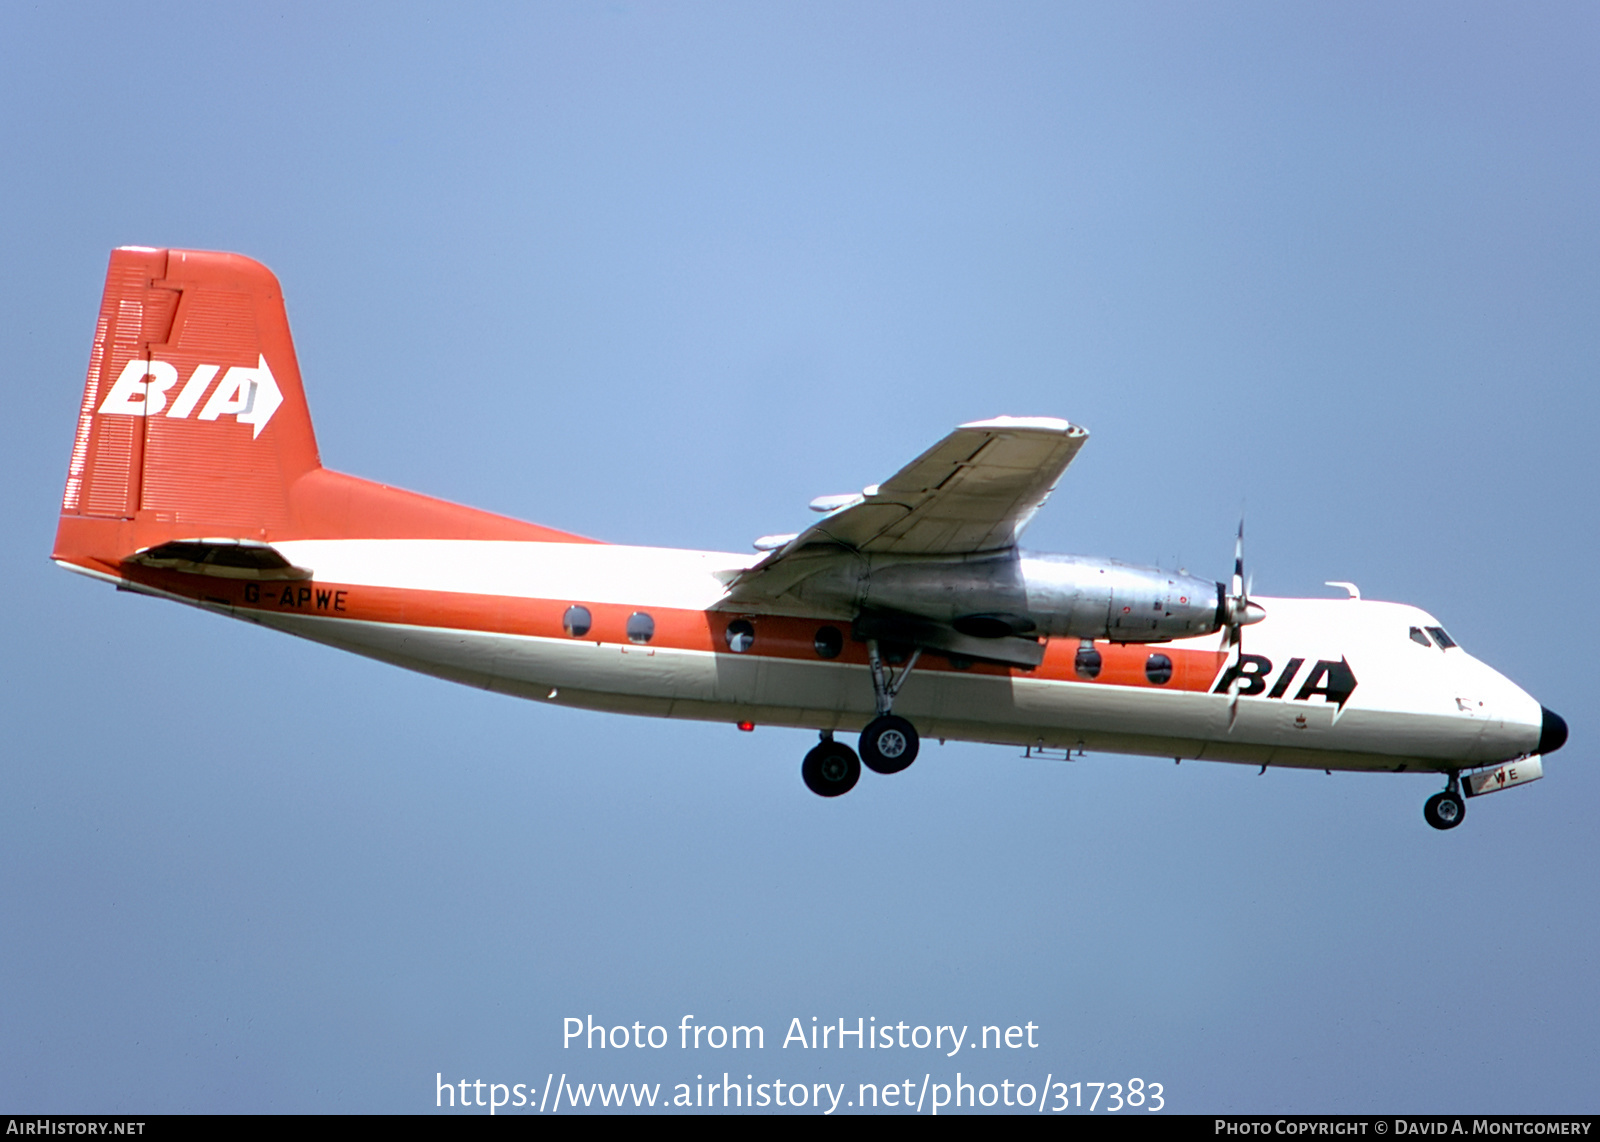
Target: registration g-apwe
<point x="906" y="610"/>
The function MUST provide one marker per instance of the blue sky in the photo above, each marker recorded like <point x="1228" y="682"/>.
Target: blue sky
<point x="661" y="274"/>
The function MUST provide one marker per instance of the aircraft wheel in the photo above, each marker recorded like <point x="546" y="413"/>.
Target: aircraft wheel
<point x="830" y="769"/>
<point x="1445" y="810"/>
<point x="888" y="744"/>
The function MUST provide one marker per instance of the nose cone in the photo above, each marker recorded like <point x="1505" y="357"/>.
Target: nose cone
<point x="1553" y="734"/>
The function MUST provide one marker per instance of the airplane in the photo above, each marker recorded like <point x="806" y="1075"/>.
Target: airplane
<point x="906" y="610"/>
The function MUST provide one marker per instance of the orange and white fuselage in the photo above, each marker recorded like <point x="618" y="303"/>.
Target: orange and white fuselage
<point x="195" y="476"/>
<point x="490" y="614"/>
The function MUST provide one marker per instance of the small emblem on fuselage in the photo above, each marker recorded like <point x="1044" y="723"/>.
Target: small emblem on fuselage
<point x="1334" y="681"/>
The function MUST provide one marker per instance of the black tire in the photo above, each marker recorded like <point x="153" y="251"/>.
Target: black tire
<point x="888" y="744"/>
<point x="830" y="769"/>
<point x="1445" y="810"/>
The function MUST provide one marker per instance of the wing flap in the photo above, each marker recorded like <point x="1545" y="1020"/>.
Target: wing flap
<point x="1009" y="651"/>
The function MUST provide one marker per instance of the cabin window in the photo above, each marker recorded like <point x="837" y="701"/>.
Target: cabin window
<point x="741" y="636"/>
<point x="641" y="627"/>
<point x="959" y="662"/>
<point x="576" y="622"/>
<point x="1088" y="662"/>
<point x="1158" y="668"/>
<point x="829" y="642"/>
<point x="1445" y="641"/>
<point x="1418" y="637"/>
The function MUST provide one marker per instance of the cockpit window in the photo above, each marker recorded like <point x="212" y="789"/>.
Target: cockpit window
<point x="1445" y="641"/>
<point x="1419" y="637"/>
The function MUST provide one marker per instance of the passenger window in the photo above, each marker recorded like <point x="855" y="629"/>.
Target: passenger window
<point x="1445" y="641"/>
<point x="1418" y="637"/>
<point x="1088" y="661"/>
<point x="1158" y="668"/>
<point x="641" y="627"/>
<point x="576" y="622"/>
<point x="741" y="636"/>
<point x="829" y="642"/>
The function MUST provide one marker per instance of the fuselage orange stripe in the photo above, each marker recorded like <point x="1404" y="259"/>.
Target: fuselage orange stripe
<point x="777" y="636"/>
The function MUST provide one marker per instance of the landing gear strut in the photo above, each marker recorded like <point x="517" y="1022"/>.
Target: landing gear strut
<point x="831" y="768"/>
<point x="889" y="743"/>
<point x="1446" y="809"/>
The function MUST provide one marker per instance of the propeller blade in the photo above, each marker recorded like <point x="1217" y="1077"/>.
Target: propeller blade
<point x="1238" y="562"/>
<point x="1237" y="595"/>
<point x="1238" y="610"/>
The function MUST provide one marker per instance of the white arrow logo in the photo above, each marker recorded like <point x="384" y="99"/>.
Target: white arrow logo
<point x="250" y="395"/>
<point x="264" y="399"/>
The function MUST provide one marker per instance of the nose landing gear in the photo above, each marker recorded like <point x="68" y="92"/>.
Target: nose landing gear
<point x="1446" y="809"/>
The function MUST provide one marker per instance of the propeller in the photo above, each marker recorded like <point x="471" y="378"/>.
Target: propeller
<point x="1239" y="612"/>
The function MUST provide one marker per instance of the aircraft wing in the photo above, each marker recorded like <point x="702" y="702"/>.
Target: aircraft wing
<point x="972" y="492"/>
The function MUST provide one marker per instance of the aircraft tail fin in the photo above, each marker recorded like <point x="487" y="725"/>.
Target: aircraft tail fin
<point x="194" y="423"/>
<point x="193" y="408"/>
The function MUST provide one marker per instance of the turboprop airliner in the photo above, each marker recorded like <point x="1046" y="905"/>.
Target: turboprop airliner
<point x="905" y="610"/>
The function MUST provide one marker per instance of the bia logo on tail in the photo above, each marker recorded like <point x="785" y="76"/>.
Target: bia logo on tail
<point x="249" y="395"/>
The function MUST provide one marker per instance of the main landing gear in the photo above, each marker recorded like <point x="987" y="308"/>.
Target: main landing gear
<point x="888" y="744"/>
<point x="1446" y="809"/>
<point x="831" y="768"/>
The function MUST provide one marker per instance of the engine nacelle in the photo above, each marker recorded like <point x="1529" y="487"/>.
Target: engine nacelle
<point x="1057" y="596"/>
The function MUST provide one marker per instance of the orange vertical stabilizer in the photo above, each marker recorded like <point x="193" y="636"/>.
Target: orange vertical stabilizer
<point x="194" y="424"/>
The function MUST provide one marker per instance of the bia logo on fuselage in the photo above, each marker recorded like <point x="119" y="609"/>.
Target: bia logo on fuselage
<point x="1333" y="680"/>
<point x="249" y="394"/>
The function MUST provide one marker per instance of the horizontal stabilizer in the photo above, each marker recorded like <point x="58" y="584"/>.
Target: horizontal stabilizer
<point x="223" y="558"/>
